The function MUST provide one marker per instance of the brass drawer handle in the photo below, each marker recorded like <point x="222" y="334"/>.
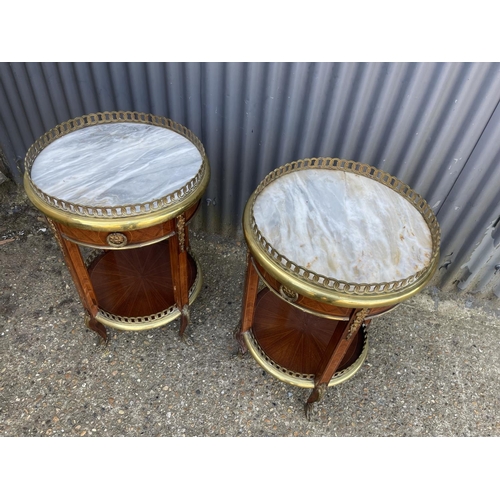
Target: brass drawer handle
<point x="287" y="294"/>
<point x="116" y="240"/>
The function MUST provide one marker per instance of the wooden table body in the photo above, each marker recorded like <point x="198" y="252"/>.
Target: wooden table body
<point x="299" y="340"/>
<point x="336" y="244"/>
<point x="148" y="280"/>
<point x="125" y="184"/>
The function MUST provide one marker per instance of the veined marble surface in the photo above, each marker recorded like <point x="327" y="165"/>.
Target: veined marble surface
<point x="343" y="226"/>
<point x="116" y="164"/>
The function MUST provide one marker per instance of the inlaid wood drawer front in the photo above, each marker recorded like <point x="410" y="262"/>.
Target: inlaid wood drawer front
<point x="310" y="304"/>
<point x="299" y="300"/>
<point x="121" y="239"/>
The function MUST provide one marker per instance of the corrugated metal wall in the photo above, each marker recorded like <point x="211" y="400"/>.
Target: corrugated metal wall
<point x="433" y="125"/>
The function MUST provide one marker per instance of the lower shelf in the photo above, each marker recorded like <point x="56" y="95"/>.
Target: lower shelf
<point x="289" y="343"/>
<point x="134" y="287"/>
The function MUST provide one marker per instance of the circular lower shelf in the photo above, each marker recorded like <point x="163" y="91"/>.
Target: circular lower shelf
<point x="134" y="287"/>
<point x="289" y="343"/>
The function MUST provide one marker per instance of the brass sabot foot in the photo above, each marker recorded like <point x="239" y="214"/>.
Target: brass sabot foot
<point x="185" y="317"/>
<point x="94" y="325"/>
<point x="316" y="395"/>
<point x="242" y="346"/>
<point x="309" y="410"/>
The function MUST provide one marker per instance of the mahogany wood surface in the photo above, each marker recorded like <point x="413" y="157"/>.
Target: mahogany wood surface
<point x="336" y="350"/>
<point x="179" y="271"/>
<point x="87" y="237"/>
<point x="174" y="265"/>
<point x="136" y="282"/>
<point x="297" y="340"/>
<point x="81" y="278"/>
<point x="248" y="308"/>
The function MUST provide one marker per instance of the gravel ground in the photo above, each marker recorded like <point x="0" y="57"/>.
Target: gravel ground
<point x="432" y="367"/>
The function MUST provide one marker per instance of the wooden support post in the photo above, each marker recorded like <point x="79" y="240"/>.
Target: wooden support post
<point x="178" y="246"/>
<point x="334" y="354"/>
<point x="81" y="279"/>
<point x="249" y="298"/>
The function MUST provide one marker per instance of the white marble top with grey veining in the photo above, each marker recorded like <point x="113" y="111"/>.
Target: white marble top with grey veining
<point x="116" y="164"/>
<point x="343" y="226"/>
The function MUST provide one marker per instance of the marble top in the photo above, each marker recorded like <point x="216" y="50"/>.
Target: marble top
<point x="116" y="164"/>
<point x="343" y="226"/>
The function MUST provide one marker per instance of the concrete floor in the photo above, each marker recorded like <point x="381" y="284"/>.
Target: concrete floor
<point x="432" y="368"/>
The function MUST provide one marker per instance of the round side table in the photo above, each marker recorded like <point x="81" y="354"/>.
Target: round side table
<point x="121" y="187"/>
<point x="332" y="244"/>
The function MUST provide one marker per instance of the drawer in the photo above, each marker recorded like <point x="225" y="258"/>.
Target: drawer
<point x="320" y="308"/>
<point x="122" y="239"/>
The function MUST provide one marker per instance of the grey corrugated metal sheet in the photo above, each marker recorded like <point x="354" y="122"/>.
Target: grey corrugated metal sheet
<point x="427" y="123"/>
<point x="471" y="214"/>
